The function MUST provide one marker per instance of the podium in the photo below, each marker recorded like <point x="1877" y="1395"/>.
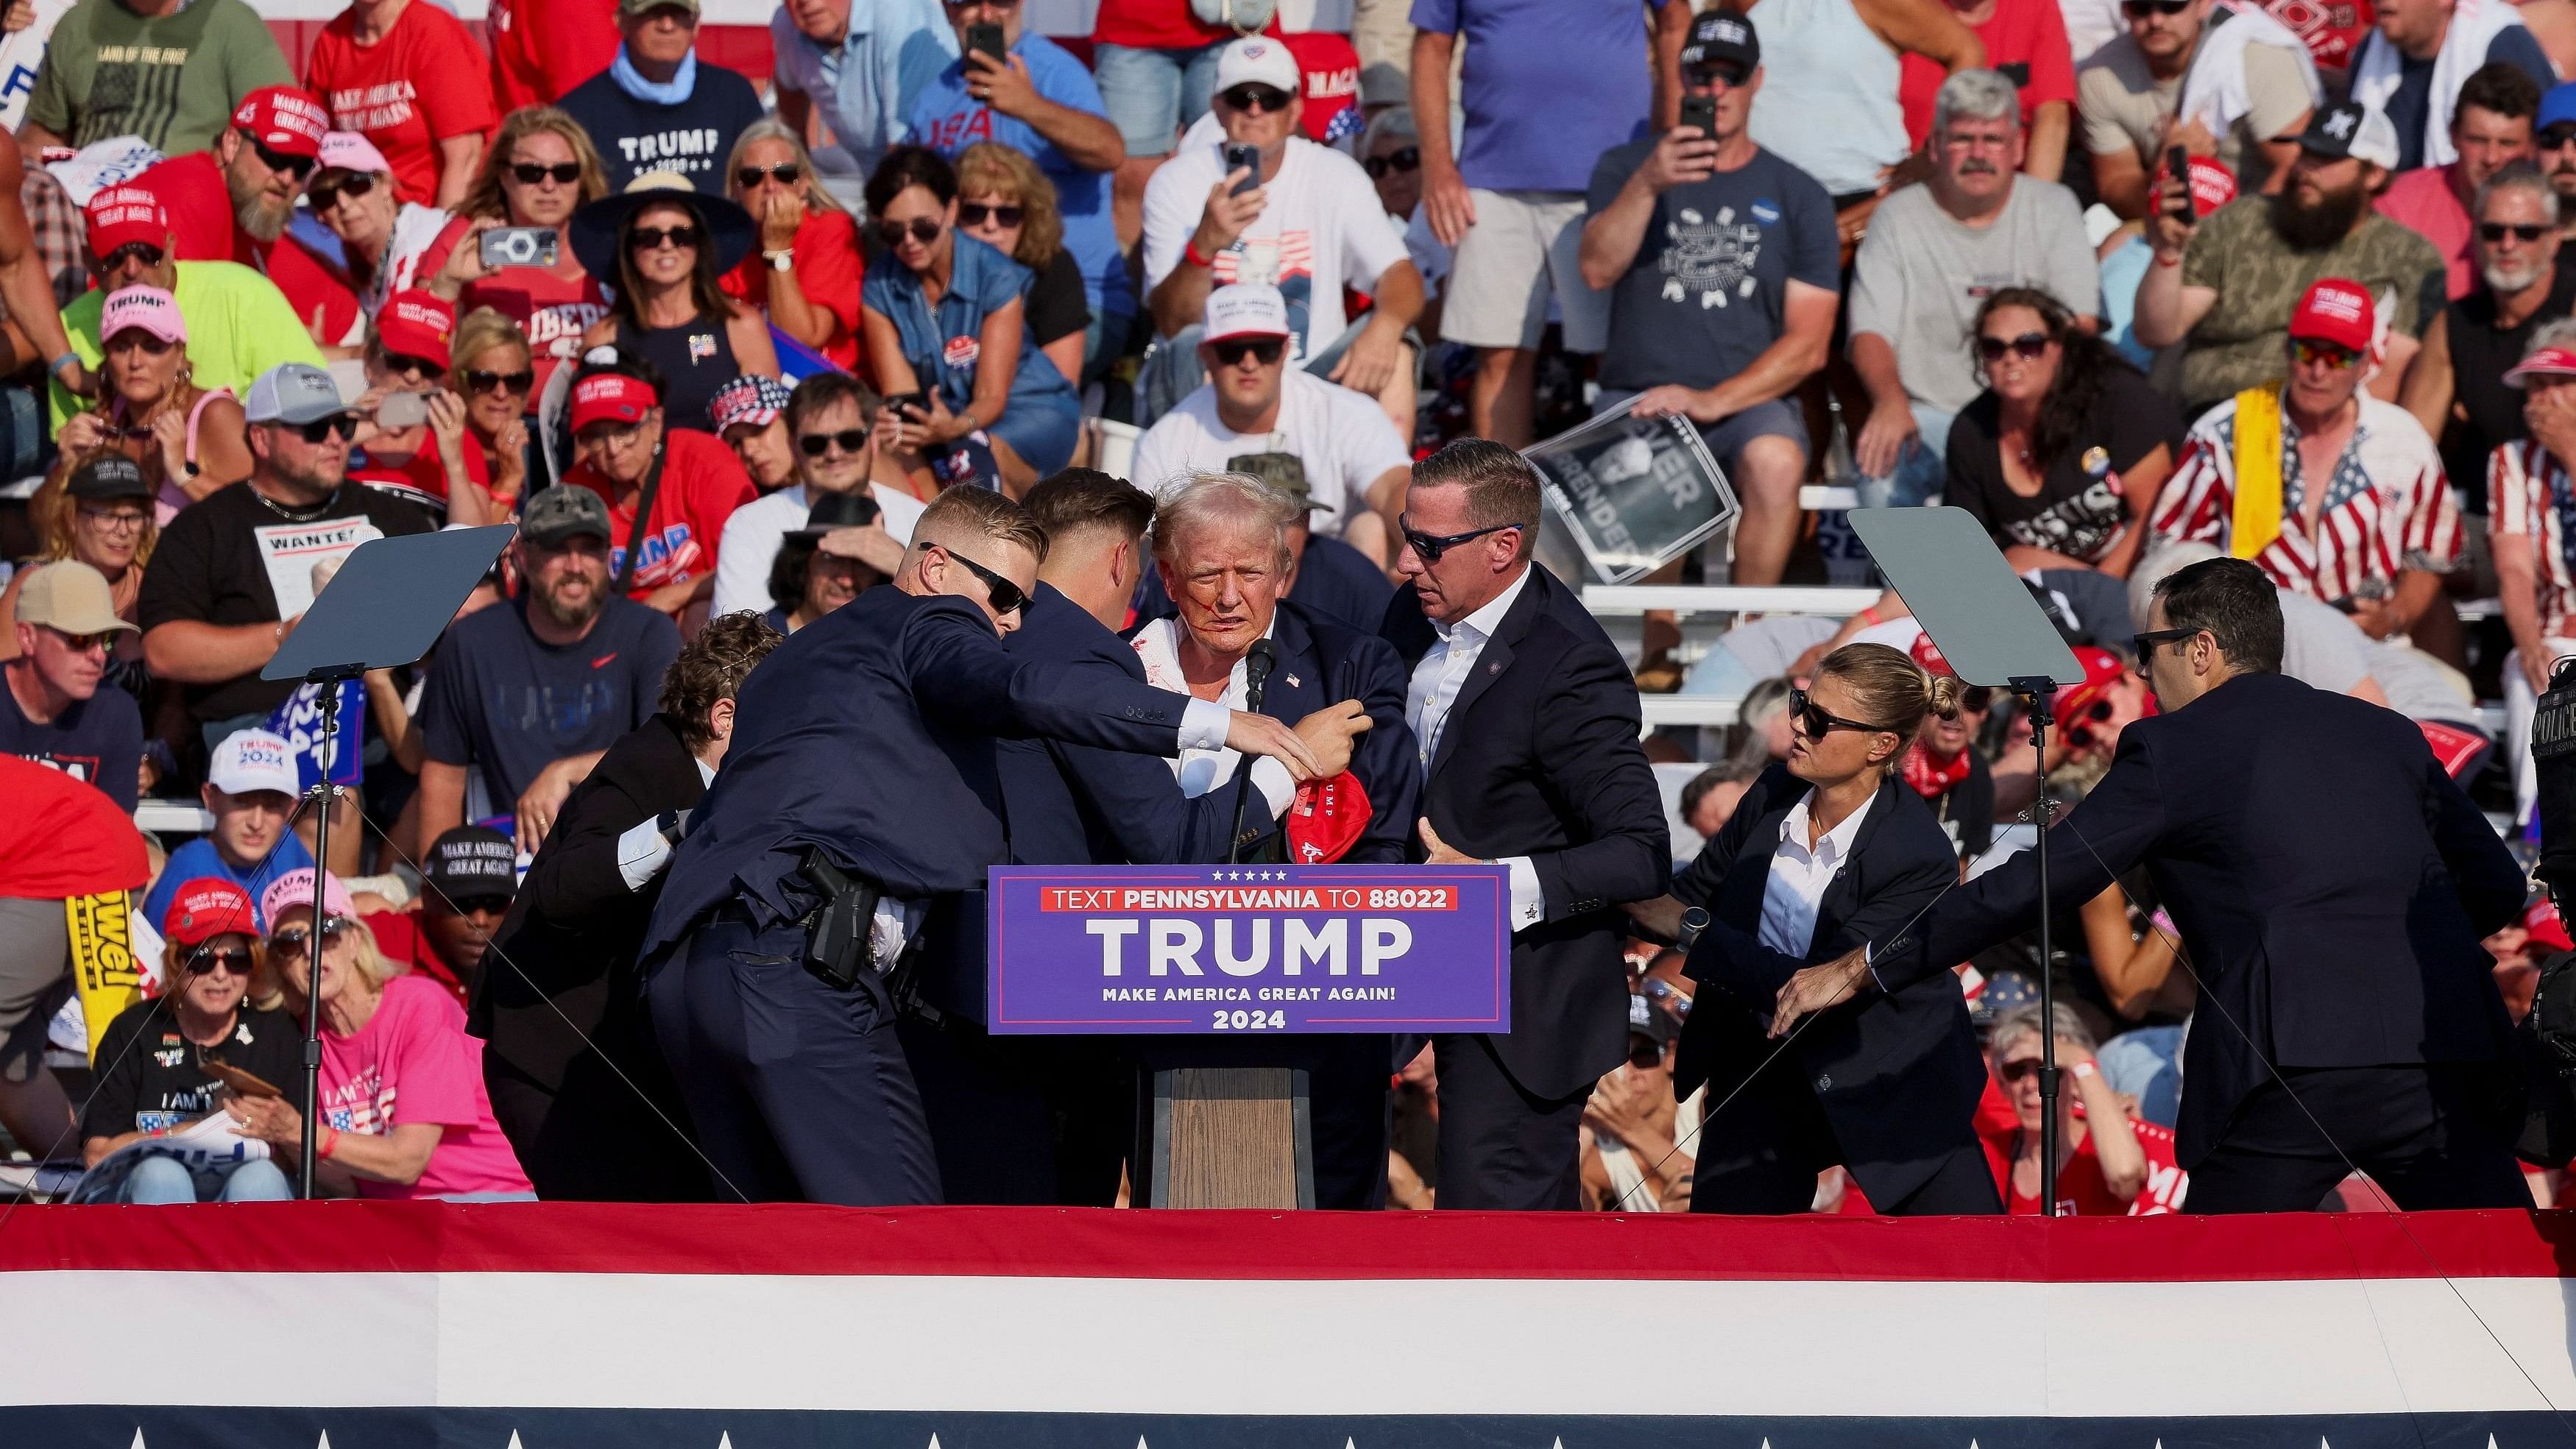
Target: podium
<point x="1230" y="1137"/>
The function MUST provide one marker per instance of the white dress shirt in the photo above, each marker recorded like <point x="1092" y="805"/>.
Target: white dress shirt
<point x="1204" y="764"/>
<point x="1800" y="876"/>
<point x="1437" y="682"/>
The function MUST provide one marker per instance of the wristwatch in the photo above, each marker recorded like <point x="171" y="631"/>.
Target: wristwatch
<point x="1694" y="921"/>
<point x="782" y="261"/>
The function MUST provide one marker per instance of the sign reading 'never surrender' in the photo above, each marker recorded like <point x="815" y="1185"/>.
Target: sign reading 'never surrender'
<point x="1234" y="949"/>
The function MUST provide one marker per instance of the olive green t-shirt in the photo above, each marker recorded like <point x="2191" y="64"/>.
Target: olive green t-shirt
<point x="171" y="79"/>
<point x="2241" y="342"/>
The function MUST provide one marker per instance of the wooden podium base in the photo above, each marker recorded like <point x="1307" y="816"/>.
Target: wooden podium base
<point x="1231" y="1137"/>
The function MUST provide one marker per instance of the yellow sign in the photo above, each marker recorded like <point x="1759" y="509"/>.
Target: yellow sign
<point x="102" y="960"/>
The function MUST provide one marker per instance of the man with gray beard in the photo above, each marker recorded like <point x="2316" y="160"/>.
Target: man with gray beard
<point x="2457" y="389"/>
<point x="2225" y="286"/>
<point x="231" y="202"/>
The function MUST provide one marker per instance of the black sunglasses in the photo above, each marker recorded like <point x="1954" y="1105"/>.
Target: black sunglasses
<point x="1264" y="350"/>
<point x="298" y="167"/>
<point x="1255" y="98"/>
<point x="816" y="444"/>
<point x="2492" y="232"/>
<point x="480" y="906"/>
<point x="923" y="229"/>
<point x="973" y="213"/>
<point x="1428" y="547"/>
<point x="2143" y="645"/>
<point x="144" y="253"/>
<point x="1403" y="158"/>
<point x="1718" y="73"/>
<point x="2141" y="9"/>
<point x="565" y="173"/>
<point x="479" y="381"/>
<point x="650" y="238"/>
<point x="787" y="172"/>
<point x="1817" y="724"/>
<point x="234" y="959"/>
<point x="326" y="197"/>
<point x="2557" y="138"/>
<point x="2018" y="1069"/>
<point x="421" y="366"/>
<point x="2027" y="347"/>
<point x="291" y="939"/>
<point x="1006" y="596"/>
<point x="1976" y="699"/>
<point x="345" y="425"/>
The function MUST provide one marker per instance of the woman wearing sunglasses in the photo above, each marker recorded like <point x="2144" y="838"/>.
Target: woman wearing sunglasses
<point x="411" y="429"/>
<point x="389" y="243"/>
<point x="188" y="440"/>
<point x="2061" y="457"/>
<point x="404" y="1114"/>
<point x="1007" y="203"/>
<point x="495" y="372"/>
<point x="1829" y="849"/>
<point x="97" y="510"/>
<point x="218" y="1002"/>
<point x="805" y="274"/>
<point x="666" y="245"/>
<point x="2100" y="1166"/>
<point x="540" y="169"/>
<point x="948" y="338"/>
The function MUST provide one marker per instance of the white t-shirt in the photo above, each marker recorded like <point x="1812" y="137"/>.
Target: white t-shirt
<point x="754" y="531"/>
<point x="1322" y="227"/>
<point x="1342" y="436"/>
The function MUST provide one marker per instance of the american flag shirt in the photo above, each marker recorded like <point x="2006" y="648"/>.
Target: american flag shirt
<point x="2387" y="506"/>
<point x="2530" y="494"/>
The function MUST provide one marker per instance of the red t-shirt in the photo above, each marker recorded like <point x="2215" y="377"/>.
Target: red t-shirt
<point x="2026" y="40"/>
<point x="554" y="311"/>
<point x="400" y="940"/>
<point x="421" y="480"/>
<point x="2080" y="1186"/>
<point x="2422" y="202"/>
<point x="425" y="81"/>
<point x="702" y="484"/>
<point x="63" y="837"/>
<point x="543" y="48"/>
<point x="1159" y="25"/>
<point x="191" y="188"/>
<point x="2333" y="29"/>
<point x="828" y="271"/>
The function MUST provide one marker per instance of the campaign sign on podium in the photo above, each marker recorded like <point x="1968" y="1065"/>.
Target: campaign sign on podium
<point x="1241" y="950"/>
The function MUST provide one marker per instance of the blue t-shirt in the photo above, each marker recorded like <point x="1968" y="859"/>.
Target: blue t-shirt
<point x="1708" y="290"/>
<point x="198" y="859"/>
<point x="944" y="348"/>
<point x="1585" y="58"/>
<point x="503" y="700"/>
<point x="2406" y="108"/>
<point x="948" y="120"/>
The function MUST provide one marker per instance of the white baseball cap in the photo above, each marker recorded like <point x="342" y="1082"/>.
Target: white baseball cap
<point x="1246" y="309"/>
<point x="1260" y="60"/>
<point x="250" y="760"/>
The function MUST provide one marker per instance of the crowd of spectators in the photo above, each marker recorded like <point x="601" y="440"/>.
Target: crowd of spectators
<point x="708" y="325"/>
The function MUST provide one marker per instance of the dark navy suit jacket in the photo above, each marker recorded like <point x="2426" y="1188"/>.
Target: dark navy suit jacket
<point x="2330" y="883"/>
<point x="870" y="733"/>
<point x="1540" y="757"/>
<point x="1898" y="1078"/>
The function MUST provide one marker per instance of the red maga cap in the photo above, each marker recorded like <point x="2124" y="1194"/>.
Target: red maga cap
<point x="611" y="397"/>
<point x="416" y="324"/>
<point x="123" y="215"/>
<point x="2337" y="311"/>
<point x="285" y="120"/>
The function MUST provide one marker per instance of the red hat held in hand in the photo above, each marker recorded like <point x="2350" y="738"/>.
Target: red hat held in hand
<point x="1327" y="819"/>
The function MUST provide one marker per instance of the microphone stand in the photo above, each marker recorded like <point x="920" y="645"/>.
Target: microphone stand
<point x="1256" y="680"/>
<point x="2038" y="694"/>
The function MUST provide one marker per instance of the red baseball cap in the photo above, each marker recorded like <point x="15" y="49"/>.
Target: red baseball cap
<point x="2337" y="311"/>
<point x="416" y="324"/>
<point x="2102" y="669"/>
<point x="205" y="908"/>
<point x="123" y="215"/>
<point x="611" y="397"/>
<point x="2212" y="184"/>
<point x="285" y="120"/>
<point x="2547" y="361"/>
<point x="1929" y="655"/>
<point x="2545" y="928"/>
<point x="1327" y="820"/>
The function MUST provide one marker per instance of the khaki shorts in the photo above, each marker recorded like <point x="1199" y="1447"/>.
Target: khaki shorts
<point x="35" y="980"/>
<point x="1524" y="250"/>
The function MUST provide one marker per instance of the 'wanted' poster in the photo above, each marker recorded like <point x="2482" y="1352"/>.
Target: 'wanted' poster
<point x="291" y="552"/>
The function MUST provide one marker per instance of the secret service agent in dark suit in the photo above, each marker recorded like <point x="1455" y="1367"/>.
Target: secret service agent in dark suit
<point x="2331" y="886"/>
<point x="1887" y="1091"/>
<point x="576" y="1079"/>
<point x="868" y="736"/>
<point x="1526" y="719"/>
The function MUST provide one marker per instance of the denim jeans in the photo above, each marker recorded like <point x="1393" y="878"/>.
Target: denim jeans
<point x="1920" y="469"/>
<point x="159" y="1181"/>
<point x="1152" y="95"/>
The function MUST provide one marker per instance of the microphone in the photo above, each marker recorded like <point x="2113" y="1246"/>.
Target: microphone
<point x="1256" y="677"/>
